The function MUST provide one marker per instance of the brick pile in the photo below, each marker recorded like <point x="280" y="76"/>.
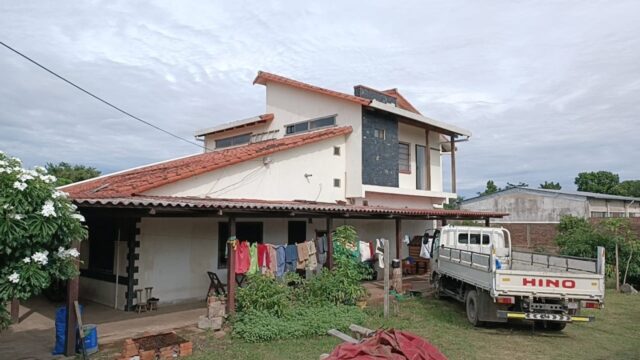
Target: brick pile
<point x="161" y="346"/>
<point x="216" y="312"/>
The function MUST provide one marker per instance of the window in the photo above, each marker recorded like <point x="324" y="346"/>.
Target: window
<point x="598" y="214"/>
<point x="379" y="133"/>
<point x="297" y="232"/>
<point x="617" y="214"/>
<point x="233" y="140"/>
<point x="249" y="231"/>
<point x="310" y="125"/>
<point x="404" y="165"/>
<point x="336" y="183"/>
<point x="336" y="150"/>
<point x="474" y="239"/>
<point x="420" y="168"/>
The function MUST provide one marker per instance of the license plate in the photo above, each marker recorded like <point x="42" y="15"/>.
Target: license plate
<point x="549" y="317"/>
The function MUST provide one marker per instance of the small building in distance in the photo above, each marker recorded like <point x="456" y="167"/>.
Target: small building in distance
<point x="535" y="213"/>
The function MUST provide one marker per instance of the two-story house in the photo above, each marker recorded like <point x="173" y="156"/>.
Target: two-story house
<point x="315" y="159"/>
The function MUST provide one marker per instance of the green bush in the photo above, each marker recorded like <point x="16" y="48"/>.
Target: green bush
<point x="579" y="237"/>
<point x="301" y="321"/>
<point x="263" y="293"/>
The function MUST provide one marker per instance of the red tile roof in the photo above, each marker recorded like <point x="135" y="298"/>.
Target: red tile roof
<point x="264" y="77"/>
<point x="401" y="101"/>
<point x="252" y="205"/>
<point x="138" y="180"/>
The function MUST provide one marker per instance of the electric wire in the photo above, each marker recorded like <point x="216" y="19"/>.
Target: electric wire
<point x="101" y="99"/>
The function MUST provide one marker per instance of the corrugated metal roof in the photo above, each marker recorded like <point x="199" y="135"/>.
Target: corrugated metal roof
<point x="547" y="192"/>
<point x="273" y="206"/>
<point x="264" y="118"/>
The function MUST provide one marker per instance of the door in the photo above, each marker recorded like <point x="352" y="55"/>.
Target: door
<point x="297" y="232"/>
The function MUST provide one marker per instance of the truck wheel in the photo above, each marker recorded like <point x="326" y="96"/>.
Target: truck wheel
<point x="551" y="325"/>
<point x="471" y="302"/>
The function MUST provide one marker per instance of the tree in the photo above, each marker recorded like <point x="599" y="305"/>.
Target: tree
<point x="37" y="225"/>
<point x="550" y="185"/>
<point x="518" y="185"/>
<point x="67" y="173"/>
<point x="579" y="237"/>
<point x="454" y="204"/>
<point x="628" y="188"/>
<point x="603" y="182"/>
<point x="490" y="189"/>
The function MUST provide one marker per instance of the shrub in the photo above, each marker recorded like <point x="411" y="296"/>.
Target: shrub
<point x="263" y="293"/>
<point x="301" y="321"/>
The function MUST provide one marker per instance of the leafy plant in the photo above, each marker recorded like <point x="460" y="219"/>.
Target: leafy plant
<point x="300" y="321"/>
<point x="264" y="293"/>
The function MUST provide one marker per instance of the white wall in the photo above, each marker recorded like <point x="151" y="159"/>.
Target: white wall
<point x="102" y="292"/>
<point x="175" y="253"/>
<point x="290" y="105"/>
<point x="282" y="179"/>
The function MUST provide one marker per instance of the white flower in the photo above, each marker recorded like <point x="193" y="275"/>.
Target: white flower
<point x="16" y="160"/>
<point x="48" y="178"/>
<point x="48" y="210"/>
<point x="26" y="260"/>
<point x="25" y="177"/>
<point x="17" y="216"/>
<point x="40" y="169"/>
<point x="7" y="206"/>
<point x="63" y="254"/>
<point x="14" y="278"/>
<point x="56" y="194"/>
<point x="3" y="170"/>
<point x="19" y="185"/>
<point x="3" y="163"/>
<point x="40" y="257"/>
<point x="78" y="217"/>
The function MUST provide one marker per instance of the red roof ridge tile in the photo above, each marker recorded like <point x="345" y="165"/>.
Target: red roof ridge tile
<point x="139" y="180"/>
<point x="263" y="77"/>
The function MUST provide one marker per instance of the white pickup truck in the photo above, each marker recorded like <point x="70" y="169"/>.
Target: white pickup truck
<point x="477" y="266"/>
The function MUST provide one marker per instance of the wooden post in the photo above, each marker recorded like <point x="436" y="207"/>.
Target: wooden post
<point x="617" y="270"/>
<point x="386" y="278"/>
<point x="398" y="236"/>
<point x="427" y="165"/>
<point x="444" y="222"/>
<point x="453" y="164"/>
<point x="15" y="311"/>
<point x="231" y="268"/>
<point x="72" y="321"/>
<point x="487" y="222"/>
<point x="330" y="243"/>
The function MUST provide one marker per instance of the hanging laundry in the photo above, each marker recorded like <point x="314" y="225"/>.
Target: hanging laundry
<point x="321" y="250"/>
<point x="253" y="259"/>
<point x="263" y="258"/>
<point x="313" y="260"/>
<point x="380" y="252"/>
<point x="291" y="257"/>
<point x="242" y="257"/>
<point x="303" y="255"/>
<point x="372" y="249"/>
<point x="425" y="248"/>
<point x="365" y="251"/>
<point x="280" y="260"/>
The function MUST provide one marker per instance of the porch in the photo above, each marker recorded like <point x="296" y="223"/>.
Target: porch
<point x="170" y="243"/>
<point x="33" y="337"/>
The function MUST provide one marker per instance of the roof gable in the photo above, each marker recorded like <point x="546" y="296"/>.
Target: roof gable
<point x="264" y="77"/>
<point x="141" y="179"/>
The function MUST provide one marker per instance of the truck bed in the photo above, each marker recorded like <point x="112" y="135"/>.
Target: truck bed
<point x="526" y="274"/>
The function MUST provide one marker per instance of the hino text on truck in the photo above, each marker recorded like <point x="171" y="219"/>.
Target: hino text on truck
<point x="477" y="266"/>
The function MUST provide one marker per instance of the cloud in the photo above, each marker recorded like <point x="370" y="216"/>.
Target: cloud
<point x="549" y="89"/>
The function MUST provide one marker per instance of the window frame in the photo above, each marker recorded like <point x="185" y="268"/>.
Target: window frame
<point x="377" y="132"/>
<point x="408" y="169"/>
<point x="232" y="138"/>
<point x="310" y="125"/>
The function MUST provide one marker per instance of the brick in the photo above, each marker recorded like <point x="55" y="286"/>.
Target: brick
<point x="148" y="355"/>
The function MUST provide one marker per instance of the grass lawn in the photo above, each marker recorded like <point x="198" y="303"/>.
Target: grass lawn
<point x="614" y="335"/>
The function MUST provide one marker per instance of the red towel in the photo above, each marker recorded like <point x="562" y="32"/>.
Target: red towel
<point x="243" y="260"/>
<point x="263" y="255"/>
<point x="388" y="344"/>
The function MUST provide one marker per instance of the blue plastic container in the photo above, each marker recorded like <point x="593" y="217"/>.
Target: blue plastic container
<point x="61" y="329"/>
<point x="90" y="338"/>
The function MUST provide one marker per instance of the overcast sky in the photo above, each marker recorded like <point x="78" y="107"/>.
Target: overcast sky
<point x="548" y="88"/>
